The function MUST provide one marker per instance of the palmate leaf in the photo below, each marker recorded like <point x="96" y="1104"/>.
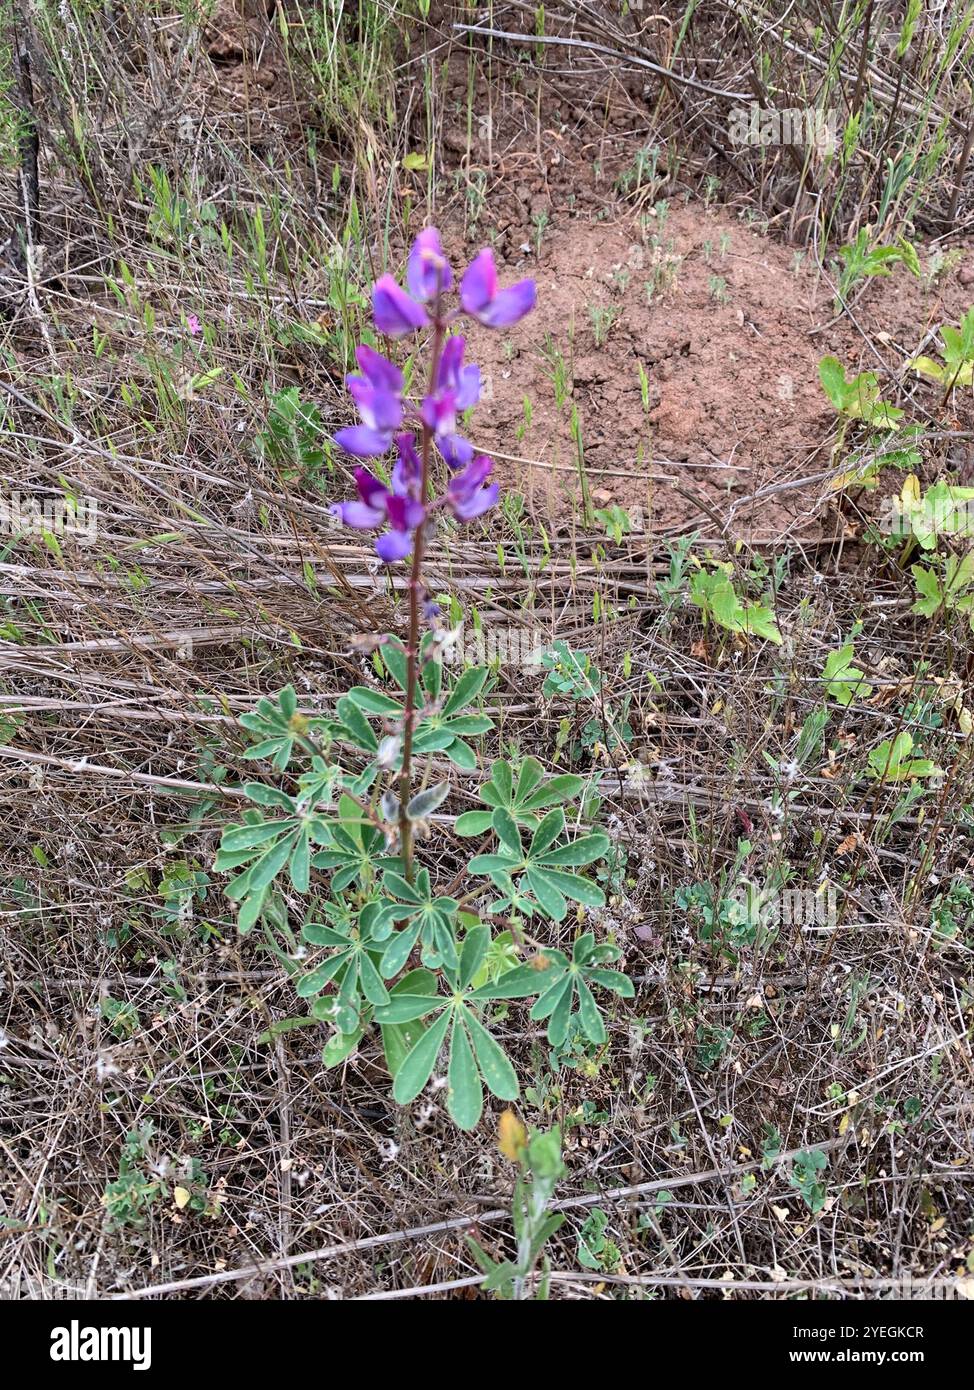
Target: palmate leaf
<point x="442" y="726"/>
<point x="522" y="799"/>
<point x="564" y="988"/>
<point x="475" y="1058"/>
<point x="542" y="871"/>
<point x="353" y="863"/>
<point x="262" y="848"/>
<point x="397" y="1039"/>
<point x="354" y="937"/>
<point x="930" y="590"/>
<point x="279" y="728"/>
<point x="757" y="620"/>
<point x="429" y="919"/>
<point x="317" y="786"/>
<point x="354" y="848"/>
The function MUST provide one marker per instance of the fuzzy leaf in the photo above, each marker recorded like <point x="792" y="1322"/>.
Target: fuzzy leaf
<point x="466" y="690"/>
<point x="472" y="823"/>
<point x="465" y="1095"/>
<point x="417" y="1066"/>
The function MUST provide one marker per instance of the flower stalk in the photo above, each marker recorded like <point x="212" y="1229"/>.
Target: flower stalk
<point x="416" y="589"/>
<point x="404" y="505"/>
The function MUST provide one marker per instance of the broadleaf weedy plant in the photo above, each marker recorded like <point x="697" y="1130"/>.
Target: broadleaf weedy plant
<point x="389" y="944"/>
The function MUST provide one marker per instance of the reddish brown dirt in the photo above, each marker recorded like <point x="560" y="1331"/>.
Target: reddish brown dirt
<point x="731" y="356"/>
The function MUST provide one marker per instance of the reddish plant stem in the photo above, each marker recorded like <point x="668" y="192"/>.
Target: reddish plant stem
<point x="412" y="651"/>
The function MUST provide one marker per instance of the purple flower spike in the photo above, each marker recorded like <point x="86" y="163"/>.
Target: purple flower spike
<point x="466" y="495"/>
<point x="428" y="273"/>
<point x="481" y="298"/>
<point x="400" y="511"/>
<point x="394" y="312"/>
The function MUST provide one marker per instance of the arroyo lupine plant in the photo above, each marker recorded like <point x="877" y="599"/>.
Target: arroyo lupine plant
<point x="403" y="508"/>
<point x="425" y="953"/>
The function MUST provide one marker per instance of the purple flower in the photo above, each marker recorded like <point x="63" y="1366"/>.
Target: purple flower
<point x="194" y="325"/>
<point x="369" y="511"/>
<point x="405" y="516"/>
<point x="377" y="394"/>
<point x="381" y="413"/>
<point x="463" y="382"/>
<point x="454" y="450"/>
<point x="481" y="298"/>
<point x="378" y="370"/>
<point x="394" y="312"/>
<point x="466" y="495"/>
<point x="399" y="505"/>
<point x="428" y="273"/>
<point x="456" y="388"/>
<point x="407" y="473"/>
<point x="401" y="508"/>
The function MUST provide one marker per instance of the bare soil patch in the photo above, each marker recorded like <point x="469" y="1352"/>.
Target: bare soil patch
<point x="736" y="417"/>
